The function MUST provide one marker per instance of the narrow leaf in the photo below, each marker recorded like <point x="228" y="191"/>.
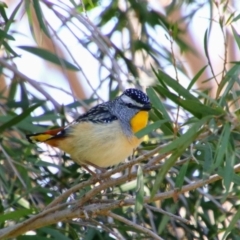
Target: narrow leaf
<point x="40" y="17"/>
<point x="179" y="146"/>
<point x="206" y="43"/>
<point x="157" y="103"/>
<point x="181" y="175"/>
<point x="176" y="86"/>
<point x="17" y="214"/>
<point x="204" y="153"/>
<point x="236" y="36"/>
<point x="19" y="118"/>
<point x="139" y="191"/>
<point x="236" y="18"/>
<point x="56" y="234"/>
<point x="228" y="171"/>
<point x="185" y="137"/>
<point x="165" y="168"/>
<point x="45" y="54"/>
<point x="3" y="35"/>
<point x="232" y="224"/>
<point x="150" y="128"/>
<point x="196" y="77"/>
<point x="196" y="108"/>
<point x="3" y="5"/>
<point x="222" y="146"/>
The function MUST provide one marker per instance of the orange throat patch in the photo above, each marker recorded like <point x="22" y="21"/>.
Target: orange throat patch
<point x="139" y="121"/>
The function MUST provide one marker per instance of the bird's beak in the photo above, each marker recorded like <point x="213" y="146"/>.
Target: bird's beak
<point x="147" y="107"/>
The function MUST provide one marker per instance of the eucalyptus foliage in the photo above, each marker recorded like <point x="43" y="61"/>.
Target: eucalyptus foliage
<point x="182" y="183"/>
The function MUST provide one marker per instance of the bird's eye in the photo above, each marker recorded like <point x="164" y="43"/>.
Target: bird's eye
<point x="130" y="105"/>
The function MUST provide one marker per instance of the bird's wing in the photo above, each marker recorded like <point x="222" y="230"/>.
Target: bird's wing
<point x="99" y="114"/>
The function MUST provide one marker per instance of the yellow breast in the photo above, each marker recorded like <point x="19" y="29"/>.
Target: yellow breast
<point x="103" y="145"/>
<point x="139" y="121"/>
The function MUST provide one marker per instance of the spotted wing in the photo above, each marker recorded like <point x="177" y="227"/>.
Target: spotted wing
<point x="98" y="114"/>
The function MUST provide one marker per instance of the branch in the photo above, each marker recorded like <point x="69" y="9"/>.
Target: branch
<point x="48" y="217"/>
<point x="166" y="213"/>
<point x="32" y="82"/>
<point x="134" y="225"/>
<point x="106" y="175"/>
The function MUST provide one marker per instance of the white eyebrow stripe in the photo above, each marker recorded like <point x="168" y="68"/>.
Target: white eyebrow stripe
<point x="127" y="99"/>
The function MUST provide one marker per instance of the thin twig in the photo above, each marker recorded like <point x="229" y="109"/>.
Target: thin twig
<point x="48" y="217"/>
<point x="105" y="175"/>
<point x="167" y="213"/>
<point x="10" y="161"/>
<point x="176" y="73"/>
<point x="32" y="82"/>
<point x="134" y="225"/>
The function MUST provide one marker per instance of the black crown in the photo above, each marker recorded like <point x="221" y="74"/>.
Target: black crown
<point x="137" y="95"/>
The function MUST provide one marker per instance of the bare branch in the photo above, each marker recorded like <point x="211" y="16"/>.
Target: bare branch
<point x="134" y="225"/>
<point x="48" y="216"/>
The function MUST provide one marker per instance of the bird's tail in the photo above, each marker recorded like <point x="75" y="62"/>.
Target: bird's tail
<point x="50" y="137"/>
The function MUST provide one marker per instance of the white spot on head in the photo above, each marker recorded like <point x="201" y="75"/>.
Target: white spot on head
<point x="137" y="95"/>
<point x="128" y="100"/>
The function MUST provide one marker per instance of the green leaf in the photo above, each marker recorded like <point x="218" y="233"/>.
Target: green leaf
<point x="180" y="177"/>
<point x="179" y="145"/>
<point x="12" y="90"/>
<point x="165" y="219"/>
<point x="222" y="146"/>
<point x="45" y="54"/>
<point x="45" y="117"/>
<point x="232" y="224"/>
<point x="226" y="84"/>
<point x="199" y="109"/>
<point x="176" y="86"/>
<point x="12" y="16"/>
<point x="206" y="43"/>
<point x="19" y="118"/>
<point x="204" y="153"/>
<point x="56" y="234"/>
<point x="236" y="36"/>
<point x="3" y="35"/>
<point x="236" y="18"/>
<point x="9" y="49"/>
<point x="196" y="77"/>
<point x="31" y="237"/>
<point x="236" y="179"/>
<point x="15" y="215"/>
<point x="139" y="191"/>
<point x="149" y="128"/>
<point x="24" y="95"/>
<point x="195" y="107"/>
<point x="40" y="17"/>
<point x="230" y="19"/>
<point x="157" y="103"/>
<point x="160" y="111"/>
<point x="27" y="5"/>
<point x="166" y="166"/>
<point x="184" y="137"/>
<point x="228" y="171"/>
<point x="3" y="5"/>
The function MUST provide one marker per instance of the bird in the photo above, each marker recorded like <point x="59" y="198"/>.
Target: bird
<point x="104" y="136"/>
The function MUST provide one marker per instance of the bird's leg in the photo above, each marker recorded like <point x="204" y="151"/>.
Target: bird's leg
<point x="130" y="167"/>
<point x="102" y="170"/>
<point x="94" y="174"/>
<point x="88" y="169"/>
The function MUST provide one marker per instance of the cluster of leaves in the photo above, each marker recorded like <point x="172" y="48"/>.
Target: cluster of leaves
<point x="192" y="145"/>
